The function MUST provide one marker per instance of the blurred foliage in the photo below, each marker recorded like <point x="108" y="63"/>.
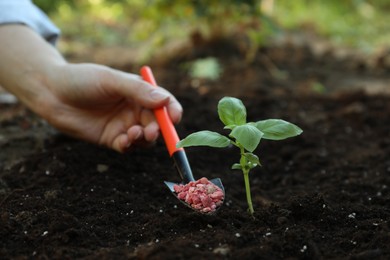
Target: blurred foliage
<point x="145" y="17"/>
<point x="132" y="21"/>
<point x="358" y="23"/>
<point x="207" y="68"/>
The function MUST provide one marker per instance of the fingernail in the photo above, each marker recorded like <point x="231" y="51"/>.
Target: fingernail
<point x="159" y="95"/>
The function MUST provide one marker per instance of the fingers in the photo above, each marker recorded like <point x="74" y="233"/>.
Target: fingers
<point x="151" y="128"/>
<point x="120" y="143"/>
<point x="134" y="88"/>
<point x="126" y="140"/>
<point x="149" y="125"/>
<point x="175" y="110"/>
<point x="144" y="98"/>
<point x="136" y="136"/>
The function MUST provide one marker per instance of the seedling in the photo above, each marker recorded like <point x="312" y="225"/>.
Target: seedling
<point x="244" y="135"/>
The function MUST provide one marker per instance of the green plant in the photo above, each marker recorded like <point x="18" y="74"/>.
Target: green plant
<point x="244" y="135"/>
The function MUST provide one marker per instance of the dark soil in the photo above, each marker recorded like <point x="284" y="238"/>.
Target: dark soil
<point x="322" y="195"/>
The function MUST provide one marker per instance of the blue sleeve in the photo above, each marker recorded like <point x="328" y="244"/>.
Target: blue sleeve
<point x="25" y="12"/>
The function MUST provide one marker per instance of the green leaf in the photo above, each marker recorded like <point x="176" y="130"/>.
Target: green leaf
<point x="231" y="111"/>
<point x="230" y="127"/>
<point x="204" y="138"/>
<point x="236" y="166"/>
<point x="277" y="129"/>
<point x="252" y="159"/>
<point x="248" y="136"/>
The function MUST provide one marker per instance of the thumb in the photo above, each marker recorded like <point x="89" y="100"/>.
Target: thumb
<point x="133" y="87"/>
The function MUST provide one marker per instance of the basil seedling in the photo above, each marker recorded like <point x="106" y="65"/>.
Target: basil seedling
<point x="244" y="135"/>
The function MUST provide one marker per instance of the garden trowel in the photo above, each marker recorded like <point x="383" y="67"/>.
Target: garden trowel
<point x="171" y="139"/>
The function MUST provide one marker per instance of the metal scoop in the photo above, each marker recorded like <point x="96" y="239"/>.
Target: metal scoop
<point x="171" y="139"/>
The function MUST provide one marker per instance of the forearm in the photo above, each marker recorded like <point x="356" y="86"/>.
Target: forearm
<point x="26" y="63"/>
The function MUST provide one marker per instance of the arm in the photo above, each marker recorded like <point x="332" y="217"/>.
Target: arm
<point x="26" y="60"/>
<point x="25" y="12"/>
<point x="87" y="101"/>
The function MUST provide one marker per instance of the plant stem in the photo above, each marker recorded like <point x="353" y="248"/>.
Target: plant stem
<point x="248" y="191"/>
<point x="245" y="171"/>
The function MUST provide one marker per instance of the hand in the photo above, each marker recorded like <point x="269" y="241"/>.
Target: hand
<point x="88" y="101"/>
<point x="105" y="106"/>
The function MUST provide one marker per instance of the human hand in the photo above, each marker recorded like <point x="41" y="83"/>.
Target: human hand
<point x="104" y="106"/>
<point x="88" y="101"/>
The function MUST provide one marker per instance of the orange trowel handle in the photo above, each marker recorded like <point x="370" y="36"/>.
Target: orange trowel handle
<point x="164" y="121"/>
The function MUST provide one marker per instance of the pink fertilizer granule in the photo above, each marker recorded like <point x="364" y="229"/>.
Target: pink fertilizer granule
<point x="201" y="195"/>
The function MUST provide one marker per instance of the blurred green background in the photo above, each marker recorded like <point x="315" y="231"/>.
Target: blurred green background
<point x="361" y="24"/>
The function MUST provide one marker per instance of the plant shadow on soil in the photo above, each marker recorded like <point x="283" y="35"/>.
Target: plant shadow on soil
<point x="324" y="194"/>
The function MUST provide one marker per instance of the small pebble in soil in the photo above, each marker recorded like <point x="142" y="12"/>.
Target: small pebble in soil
<point x="201" y="195"/>
<point x="238" y="235"/>
<point x="282" y="220"/>
<point x="304" y="248"/>
<point x="222" y="250"/>
<point x="102" y="168"/>
<point x="352" y="215"/>
<point x="51" y="194"/>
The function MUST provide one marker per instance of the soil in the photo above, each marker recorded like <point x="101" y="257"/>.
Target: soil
<point x="322" y="195"/>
